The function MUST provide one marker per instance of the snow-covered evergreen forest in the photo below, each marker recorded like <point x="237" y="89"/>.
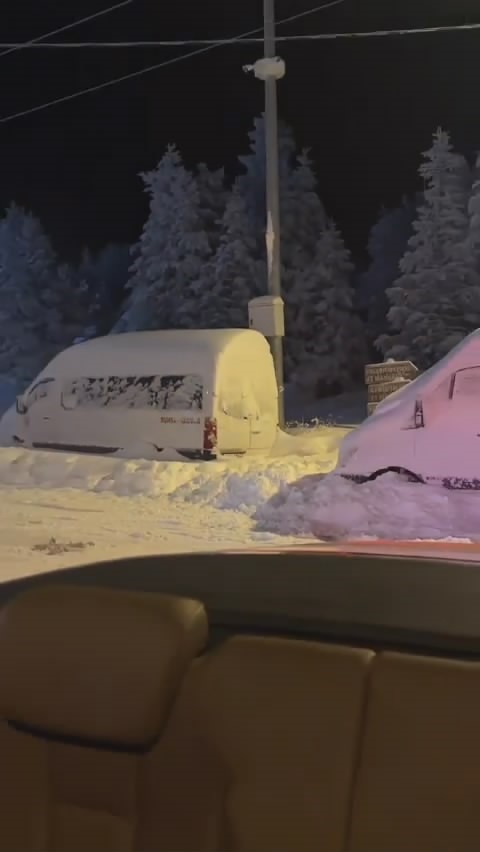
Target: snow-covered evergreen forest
<point x="201" y="257"/>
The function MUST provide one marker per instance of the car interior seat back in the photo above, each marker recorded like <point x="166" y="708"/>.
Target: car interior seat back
<point x="260" y="750"/>
<point x="87" y="679"/>
<point x="418" y="782"/>
<point x="117" y="734"/>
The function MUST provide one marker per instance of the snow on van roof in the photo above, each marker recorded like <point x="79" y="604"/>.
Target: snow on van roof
<point x="464" y="354"/>
<point x="182" y="349"/>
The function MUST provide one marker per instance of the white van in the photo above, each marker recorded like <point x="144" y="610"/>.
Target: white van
<point x="202" y="393"/>
<point x="428" y="431"/>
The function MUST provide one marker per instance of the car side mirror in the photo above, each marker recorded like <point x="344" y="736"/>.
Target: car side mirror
<point x="20" y="406"/>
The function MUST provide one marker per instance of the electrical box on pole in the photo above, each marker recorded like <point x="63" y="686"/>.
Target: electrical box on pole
<point x="265" y="314"/>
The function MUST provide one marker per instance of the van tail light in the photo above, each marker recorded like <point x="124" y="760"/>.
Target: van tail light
<point x="210" y="433"/>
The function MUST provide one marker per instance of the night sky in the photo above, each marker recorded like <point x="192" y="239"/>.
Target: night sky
<point x="367" y="108"/>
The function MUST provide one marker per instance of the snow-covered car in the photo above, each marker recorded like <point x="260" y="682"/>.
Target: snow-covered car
<point x="201" y="393"/>
<point x="428" y="431"/>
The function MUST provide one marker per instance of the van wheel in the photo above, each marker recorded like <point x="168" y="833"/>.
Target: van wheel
<point x="402" y="472"/>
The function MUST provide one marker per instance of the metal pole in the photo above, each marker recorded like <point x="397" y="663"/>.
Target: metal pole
<point x="272" y="195"/>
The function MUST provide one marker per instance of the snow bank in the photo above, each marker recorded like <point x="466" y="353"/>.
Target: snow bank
<point x="287" y="494"/>
<point x="308" y="441"/>
<point x="330" y="507"/>
<point x="242" y="484"/>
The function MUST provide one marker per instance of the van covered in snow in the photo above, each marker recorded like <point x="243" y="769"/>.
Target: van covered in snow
<point x="201" y="393"/>
<point x="428" y="430"/>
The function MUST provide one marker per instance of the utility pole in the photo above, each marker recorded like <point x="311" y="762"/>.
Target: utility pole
<point x="272" y="235"/>
<point x="266" y="312"/>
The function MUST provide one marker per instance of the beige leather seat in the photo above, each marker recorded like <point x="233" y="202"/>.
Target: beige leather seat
<point x="88" y="678"/>
<point x="117" y="737"/>
<point x="260" y="751"/>
<point x="418" y="785"/>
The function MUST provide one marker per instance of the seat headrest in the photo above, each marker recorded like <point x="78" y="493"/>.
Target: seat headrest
<point x="96" y="664"/>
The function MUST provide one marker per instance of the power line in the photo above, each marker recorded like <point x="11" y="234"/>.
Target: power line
<point x="252" y="40"/>
<point x="382" y="33"/>
<point x="35" y="42"/>
<point x="164" y="64"/>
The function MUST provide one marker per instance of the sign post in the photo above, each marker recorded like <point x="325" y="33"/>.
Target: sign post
<point x="384" y="379"/>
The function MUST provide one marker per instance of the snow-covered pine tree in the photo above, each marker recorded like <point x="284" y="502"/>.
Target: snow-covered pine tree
<point x="239" y="268"/>
<point x="172" y="250"/>
<point x="303" y="219"/>
<point x="329" y="346"/>
<point x="237" y="273"/>
<point x="387" y="243"/>
<point x="105" y="275"/>
<point x="30" y="315"/>
<point x="213" y="197"/>
<point x="196" y="306"/>
<point x="433" y="302"/>
<point x="302" y="214"/>
<point x="470" y="296"/>
<point x="76" y="306"/>
<point x="474" y="211"/>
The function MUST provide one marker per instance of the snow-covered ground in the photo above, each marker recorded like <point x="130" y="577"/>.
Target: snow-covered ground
<point x="62" y="509"/>
<point x="99" y="508"/>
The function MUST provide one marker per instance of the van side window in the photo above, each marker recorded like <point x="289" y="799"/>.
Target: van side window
<point x="466" y="383"/>
<point x="40" y="390"/>
<point x="181" y="393"/>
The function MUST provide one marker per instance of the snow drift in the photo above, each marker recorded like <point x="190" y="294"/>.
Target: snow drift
<point x="286" y="495"/>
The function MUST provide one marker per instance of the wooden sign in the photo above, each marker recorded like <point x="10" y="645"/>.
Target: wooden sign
<point x="389" y="371"/>
<point x="378" y="392"/>
<point x="384" y="379"/>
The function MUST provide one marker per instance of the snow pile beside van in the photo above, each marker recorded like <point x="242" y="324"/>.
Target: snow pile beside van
<point x="238" y="483"/>
<point x="330" y="507"/>
<point x="203" y="505"/>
